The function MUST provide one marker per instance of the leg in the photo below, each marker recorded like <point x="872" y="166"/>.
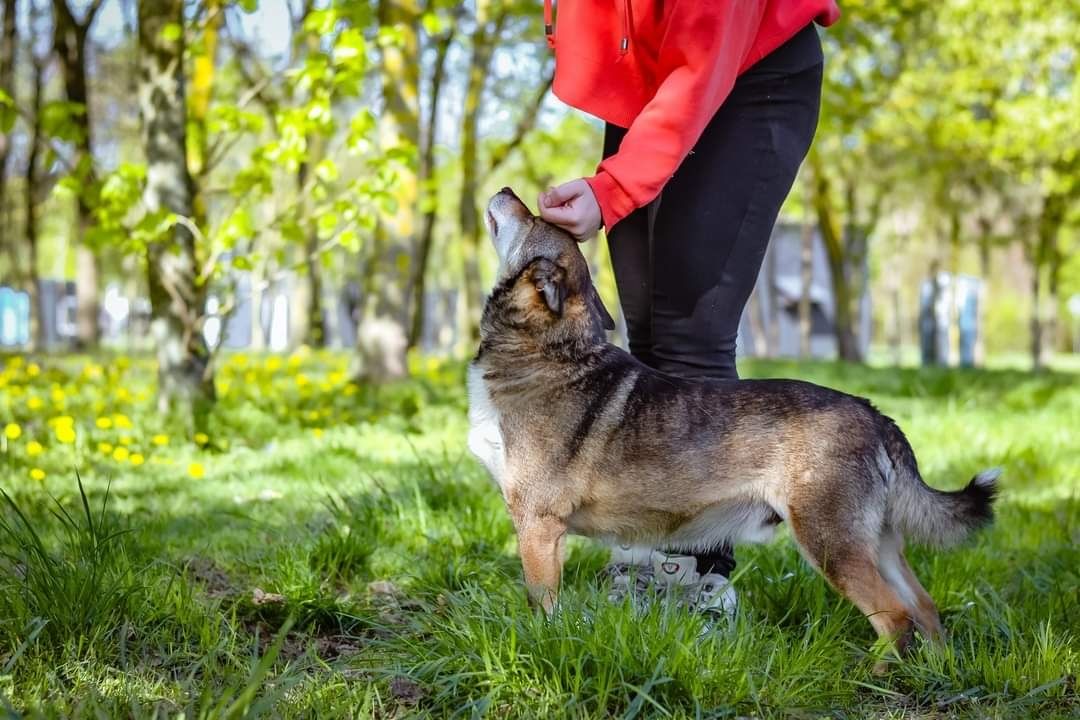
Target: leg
<point x="716" y="216"/>
<point x="630" y="246"/>
<point x="540" y="544"/>
<point x="894" y="567"/>
<point x="850" y="565"/>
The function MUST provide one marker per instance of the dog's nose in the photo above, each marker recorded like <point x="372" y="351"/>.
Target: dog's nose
<point x="508" y="191"/>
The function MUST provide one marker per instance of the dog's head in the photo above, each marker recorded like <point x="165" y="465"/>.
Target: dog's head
<point x="543" y="266"/>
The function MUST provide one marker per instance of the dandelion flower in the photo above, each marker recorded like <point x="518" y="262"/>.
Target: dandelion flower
<point x="122" y="421"/>
<point x="104" y="448"/>
<point x="125" y="440"/>
<point x="121" y="454"/>
<point x="160" y="440"/>
<point x="104" y="423"/>
<point x="136" y="459"/>
<point x="317" y="432"/>
<point x="65" y="434"/>
<point x="37" y="474"/>
<point x="196" y="470"/>
<point x="12" y="431"/>
<point x="202" y="438"/>
<point x="34" y="448"/>
<point x="34" y="402"/>
<point x="33" y="370"/>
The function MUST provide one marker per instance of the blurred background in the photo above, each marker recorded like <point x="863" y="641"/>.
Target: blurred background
<point x="269" y="174"/>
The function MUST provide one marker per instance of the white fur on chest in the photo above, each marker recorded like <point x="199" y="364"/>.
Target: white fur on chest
<point x="485" y="437"/>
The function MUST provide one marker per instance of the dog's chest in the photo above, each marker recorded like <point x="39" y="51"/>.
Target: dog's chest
<point x="485" y="435"/>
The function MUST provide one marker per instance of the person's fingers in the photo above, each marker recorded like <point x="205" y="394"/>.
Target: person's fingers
<point x="564" y="193"/>
<point x="561" y="215"/>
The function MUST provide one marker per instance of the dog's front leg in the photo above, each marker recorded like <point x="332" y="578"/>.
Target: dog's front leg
<point x="540" y="544"/>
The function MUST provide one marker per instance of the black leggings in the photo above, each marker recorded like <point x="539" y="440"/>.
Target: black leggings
<point x="686" y="263"/>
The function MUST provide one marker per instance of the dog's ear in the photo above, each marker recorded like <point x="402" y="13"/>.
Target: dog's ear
<point x="550" y="281"/>
<point x="598" y="306"/>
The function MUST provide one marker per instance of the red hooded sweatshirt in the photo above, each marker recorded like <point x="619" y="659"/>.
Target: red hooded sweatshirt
<point x="661" y="68"/>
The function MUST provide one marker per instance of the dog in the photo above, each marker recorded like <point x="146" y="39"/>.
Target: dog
<point x="582" y="438"/>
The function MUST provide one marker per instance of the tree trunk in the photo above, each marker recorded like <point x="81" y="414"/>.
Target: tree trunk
<point x="418" y="283"/>
<point x="806" y="274"/>
<point x="468" y="212"/>
<point x="70" y="44"/>
<point x="1050" y="222"/>
<point x="847" y="345"/>
<point x="7" y="86"/>
<point x="184" y="372"/>
<point x="30" y="200"/>
<point x="308" y="325"/>
<point x="382" y="338"/>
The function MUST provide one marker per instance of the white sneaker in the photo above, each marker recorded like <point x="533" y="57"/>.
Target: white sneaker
<point x="711" y="594"/>
<point x="630" y="571"/>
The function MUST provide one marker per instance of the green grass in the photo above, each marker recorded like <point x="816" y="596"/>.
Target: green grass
<point x="332" y="551"/>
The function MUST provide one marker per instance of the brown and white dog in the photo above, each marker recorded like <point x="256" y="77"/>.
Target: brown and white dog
<point x="582" y="438"/>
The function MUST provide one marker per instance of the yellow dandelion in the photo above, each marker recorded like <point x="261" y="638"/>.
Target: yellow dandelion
<point x="33" y="370"/>
<point x="104" y="448"/>
<point x="34" y="402"/>
<point x="12" y="431"/>
<point x="160" y="440"/>
<point x="273" y="363"/>
<point x="302" y="380"/>
<point x="57" y="395"/>
<point x="122" y="421"/>
<point x="202" y="438"/>
<point x="62" y="420"/>
<point x="317" y="432"/>
<point x="104" y="423"/>
<point x="65" y="434"/>
<point x="136" y="459"/>
<point x="37" y="474"/>
<point x="125" y="440"/>
<point x="34" y="448"/>
<point x="121" y="454"/>
<point x="196" y="470"/>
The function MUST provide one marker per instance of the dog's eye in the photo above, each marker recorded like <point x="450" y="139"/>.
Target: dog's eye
<point x="494" y="225"/>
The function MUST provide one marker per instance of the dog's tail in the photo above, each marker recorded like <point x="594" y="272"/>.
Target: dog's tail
<point x="927" y="515"/>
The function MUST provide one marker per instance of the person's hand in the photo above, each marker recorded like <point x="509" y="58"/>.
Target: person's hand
<point x="573" y="207"/>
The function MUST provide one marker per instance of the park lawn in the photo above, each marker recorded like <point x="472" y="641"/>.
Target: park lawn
<point x="328" y="550"/>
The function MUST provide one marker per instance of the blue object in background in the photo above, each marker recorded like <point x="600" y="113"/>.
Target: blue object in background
<point x="967" y="320"/>
<point x="14" y="318"/>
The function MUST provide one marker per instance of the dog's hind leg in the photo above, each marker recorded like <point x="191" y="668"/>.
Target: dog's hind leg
<point x="895" y="569"/>
<point x="850" y="565"/>
<point x="540" y="544"/>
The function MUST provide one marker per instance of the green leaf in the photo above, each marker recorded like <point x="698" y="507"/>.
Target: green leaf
<point x="172" y="32"/>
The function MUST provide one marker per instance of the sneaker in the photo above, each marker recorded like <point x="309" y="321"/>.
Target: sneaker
<point x="630" y="572"/>
<point x="711" y="594"/>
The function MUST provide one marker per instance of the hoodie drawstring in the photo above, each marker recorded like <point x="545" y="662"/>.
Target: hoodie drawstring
<point x="624" y="44"/>
<point x="549" y="26"/>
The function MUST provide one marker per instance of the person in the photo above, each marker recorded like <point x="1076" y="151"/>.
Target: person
<point x="709" y="109"/>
